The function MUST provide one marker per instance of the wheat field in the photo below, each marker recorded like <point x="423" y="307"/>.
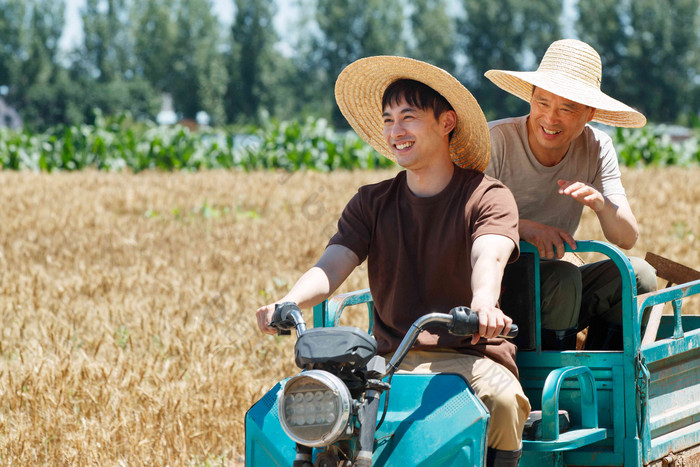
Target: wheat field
<point x="127" y="301"/>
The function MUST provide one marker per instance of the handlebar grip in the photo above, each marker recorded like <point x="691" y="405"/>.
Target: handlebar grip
<point x="465" y="322"/>
<point x="282" y="319"/>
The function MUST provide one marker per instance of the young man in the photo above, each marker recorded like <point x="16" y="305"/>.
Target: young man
<point x="555" y="164"/>
<point x="438" y="235"/>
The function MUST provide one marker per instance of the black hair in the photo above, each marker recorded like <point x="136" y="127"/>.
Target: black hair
<point x="416" y="94"/>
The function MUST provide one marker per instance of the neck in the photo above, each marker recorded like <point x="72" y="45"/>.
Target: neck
<point x="548" y="158"/>
<point x="429" y="181"/>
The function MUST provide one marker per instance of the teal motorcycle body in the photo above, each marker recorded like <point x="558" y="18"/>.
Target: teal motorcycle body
<point x="431" y="420"/>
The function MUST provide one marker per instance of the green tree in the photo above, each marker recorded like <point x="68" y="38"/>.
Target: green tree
<point x="509" y="35"/>
<point x="199" y="69"/>
<point x="107" y="51"/>
<point x="433" y="32"/>
<point x="46" y="19"/>
<point x="252" y="60"/>
<point x="350" y="30"/>
<point x="649" y="52"/>
<point x="154" y="42"/>
<point x="44" y="94"/>
<point x="12" y="17"/>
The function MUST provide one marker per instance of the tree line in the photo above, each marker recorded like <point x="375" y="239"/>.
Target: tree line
<point x="132" y="52"/>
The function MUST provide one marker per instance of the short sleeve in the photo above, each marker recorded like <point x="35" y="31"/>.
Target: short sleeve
<point x="493" y="169"/>
<point x="608" y="178"/>
<point x="354" y="231"/>
<point x="496" y="213"/>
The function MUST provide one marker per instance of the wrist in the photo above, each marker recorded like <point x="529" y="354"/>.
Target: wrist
<point x="479" y="303"/>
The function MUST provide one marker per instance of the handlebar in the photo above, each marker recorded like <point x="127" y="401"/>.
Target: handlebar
<point x="288" y="316"/>
<point x="461" y="321"/>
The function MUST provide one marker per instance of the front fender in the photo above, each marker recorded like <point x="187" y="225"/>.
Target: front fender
<point x="432" y="419"/>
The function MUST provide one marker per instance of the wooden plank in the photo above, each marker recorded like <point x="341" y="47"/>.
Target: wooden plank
<point x="653" y="324"/>
<point x="673" y="272"/>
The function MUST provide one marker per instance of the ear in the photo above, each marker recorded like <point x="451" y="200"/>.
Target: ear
<point x="448" y="121"/>
<point x="591" y="115"/>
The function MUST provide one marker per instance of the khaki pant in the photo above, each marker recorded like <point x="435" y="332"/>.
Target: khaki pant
<point x="494" y="384"/>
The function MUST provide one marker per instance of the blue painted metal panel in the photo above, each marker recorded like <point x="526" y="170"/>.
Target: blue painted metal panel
<point x="432" y="420"/>
<point x="672" y="416"/>
<point x="265" y="441"/>
<point x="690" y="323"/>
<point x="607" y="370"/>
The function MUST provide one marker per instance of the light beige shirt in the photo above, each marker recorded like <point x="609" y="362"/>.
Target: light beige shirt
<point x="591" y="158"/>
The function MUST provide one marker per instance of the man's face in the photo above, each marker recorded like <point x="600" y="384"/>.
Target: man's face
<point x="415" y="136"/>
<point x="554" y="122"/>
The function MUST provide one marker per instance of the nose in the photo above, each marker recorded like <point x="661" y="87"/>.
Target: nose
<point x="397" y="129"/>
<point x="551" y="114"/>
<point x="393" y="130"/>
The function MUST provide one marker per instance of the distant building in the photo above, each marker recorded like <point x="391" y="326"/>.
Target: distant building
<point x="166" y="116"/>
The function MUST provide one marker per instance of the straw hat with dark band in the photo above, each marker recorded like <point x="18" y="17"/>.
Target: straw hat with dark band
<point x="570" y="69"/>
<point x="360" y="88"/>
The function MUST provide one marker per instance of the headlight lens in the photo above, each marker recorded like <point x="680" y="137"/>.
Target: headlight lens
<point x="314" y="408"/>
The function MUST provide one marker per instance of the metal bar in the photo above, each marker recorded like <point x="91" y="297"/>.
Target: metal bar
<point x="678" y="322"/>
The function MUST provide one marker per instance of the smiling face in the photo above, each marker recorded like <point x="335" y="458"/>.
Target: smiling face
<point x="554" y="122"/>
<point x="415" y="137"/>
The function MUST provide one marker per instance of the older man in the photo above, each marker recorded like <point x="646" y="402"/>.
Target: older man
<point x="555" y="164"/>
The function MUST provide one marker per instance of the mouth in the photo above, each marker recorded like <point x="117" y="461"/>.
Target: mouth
<point x="404" y="145"/>
<point x="550" y="132"/>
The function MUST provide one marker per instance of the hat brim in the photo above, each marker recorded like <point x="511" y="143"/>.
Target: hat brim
<point x="608" y="110"/>
<point x="360" y="88"/>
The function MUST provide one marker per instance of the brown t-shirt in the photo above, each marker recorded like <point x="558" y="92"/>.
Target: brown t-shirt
<point x="418" y="253"/>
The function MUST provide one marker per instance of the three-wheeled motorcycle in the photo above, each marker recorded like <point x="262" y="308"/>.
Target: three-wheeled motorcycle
<point x="639" y="406"/>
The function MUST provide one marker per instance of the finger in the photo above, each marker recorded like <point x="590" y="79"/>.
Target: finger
<point x="496" y="326"/>
<point x="549" y="250"/>
<point x="568" y="187"/>
<point x="578" y="192"/>
<point x="561" y="248"/>
<point x="483" y="324"/>
<point x="568" y="239"/>
<point x="507" y="321"/>
<point x="541" y="250"/>
<point x="263" y="319"/>
<point x="564" y="183"/>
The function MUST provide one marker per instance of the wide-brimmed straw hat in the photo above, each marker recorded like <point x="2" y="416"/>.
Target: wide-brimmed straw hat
<point x="361" y="86"/>
<point x="570" y="69"/>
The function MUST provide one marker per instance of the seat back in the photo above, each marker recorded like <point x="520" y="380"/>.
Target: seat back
<point x="519" y="298"/>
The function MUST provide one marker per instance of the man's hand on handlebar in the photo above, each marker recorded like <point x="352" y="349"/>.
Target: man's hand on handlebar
<point x="492" y="322"/>
<point x="264" y="317"/>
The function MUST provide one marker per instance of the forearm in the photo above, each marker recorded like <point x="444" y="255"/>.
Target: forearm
<point x="618" y="223"/>
<point x="313" y="287"/>
<point x="319" y="282"/>
<point x="488" y="262"/>
<point x="486" y="283"/>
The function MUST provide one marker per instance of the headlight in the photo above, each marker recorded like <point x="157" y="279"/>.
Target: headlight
<point x="314" y="408"/>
